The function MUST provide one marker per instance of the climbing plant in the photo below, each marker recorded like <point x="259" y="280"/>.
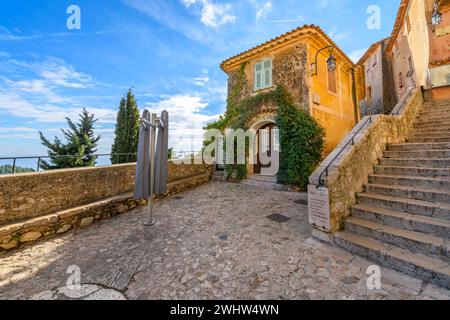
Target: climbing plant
<point x="301" y="136"/>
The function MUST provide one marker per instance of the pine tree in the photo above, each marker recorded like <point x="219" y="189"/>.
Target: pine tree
<point x="127" y="130"/>
<point x="80" y="144"/>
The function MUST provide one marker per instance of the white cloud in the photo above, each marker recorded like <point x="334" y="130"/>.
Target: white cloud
<point x="213" y="14"/>
<point x="201" y="81"/>
<point x="357" y="54"/>
<point x="39" y="92"/>
<point x="186" y="120"/>
<point x="264" y="10"/>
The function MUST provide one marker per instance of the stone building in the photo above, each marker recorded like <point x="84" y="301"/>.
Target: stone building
<point x="408" y="47"/>
<point x="439" y="37"/>
<point x="290" y="60"/>
<point x="376" y="72"/>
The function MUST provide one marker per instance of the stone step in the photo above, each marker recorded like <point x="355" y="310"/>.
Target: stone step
<point x="426" y="268"/>
<point x="412" y="240"/>
<point x="412" y="222"/>
<point x="263" y="184"/>
<point x="428" y="140"/>
<point x="418" y="154"/>
<point x="431" y="126"/>
<point x="435" y="107"/>
<point x="436" y="135"/>
<point x="413" y="181"/>
<point x="435" y="112"/>
<point x="412" y="171"/>
<point x="433" y="131"/>
<point x="418" y="162"/>
<point x="426" y="208"/>
<point x="418" y="146"/>
<point x="219" y="176"/>
<point x="408" y="192"/>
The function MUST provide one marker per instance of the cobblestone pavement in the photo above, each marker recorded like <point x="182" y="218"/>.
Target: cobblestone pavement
<point x="214" y="242"/>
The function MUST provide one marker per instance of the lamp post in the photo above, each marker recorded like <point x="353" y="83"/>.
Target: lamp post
<point x="436" y="17"/>
<point x="331" y="61"/>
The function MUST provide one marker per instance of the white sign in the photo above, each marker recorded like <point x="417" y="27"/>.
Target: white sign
<point x="319" y="207"/>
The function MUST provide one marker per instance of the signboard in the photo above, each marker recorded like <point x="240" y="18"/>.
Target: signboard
<point x="319" y="207"/>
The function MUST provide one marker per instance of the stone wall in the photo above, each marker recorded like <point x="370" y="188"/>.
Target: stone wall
<point x="349" y="172"/>
<point x="36" y="205"/>
<point x="289" y="70"/>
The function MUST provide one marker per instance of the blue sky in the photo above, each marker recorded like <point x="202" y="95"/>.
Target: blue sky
<point x="168" y="51"/>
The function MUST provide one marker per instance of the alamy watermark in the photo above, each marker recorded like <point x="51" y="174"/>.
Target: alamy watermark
<point x="240" y="147"/>
<point x="73" y="22"/>
<point x="374" y="277"/>
<point x="374" y="20"/>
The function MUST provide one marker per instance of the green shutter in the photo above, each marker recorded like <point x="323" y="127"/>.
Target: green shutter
<point x="258" y="75"/>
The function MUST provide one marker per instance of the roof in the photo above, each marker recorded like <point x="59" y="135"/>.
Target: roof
<point x="401" y="14"/>
<point x="306" y="29"/>
<point x="369" y="52"/>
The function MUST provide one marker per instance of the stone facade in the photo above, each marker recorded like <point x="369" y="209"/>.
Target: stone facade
<point x="38" y="205"/>
<point x="349" y="172"/>
<point x="289" y="70"/>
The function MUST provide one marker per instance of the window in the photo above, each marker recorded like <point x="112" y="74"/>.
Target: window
<point x="400" y="80"/>
<point x="332" y="86"/>
<point x="263" y="74"/>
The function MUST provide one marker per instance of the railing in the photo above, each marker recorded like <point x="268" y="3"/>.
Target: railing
<point x="352" y="140"/>
<point x="114" y="156"/>
<point x="401" y="104"/>
<point x="396" y="111"/>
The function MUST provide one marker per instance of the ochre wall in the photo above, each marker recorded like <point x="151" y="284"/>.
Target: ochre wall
<point x="335" y="112"/>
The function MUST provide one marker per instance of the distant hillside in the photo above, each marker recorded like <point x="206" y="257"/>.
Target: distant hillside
<point x="9" y="169"/>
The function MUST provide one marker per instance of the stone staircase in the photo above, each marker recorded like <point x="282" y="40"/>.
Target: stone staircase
<point x="402" y="220"/>
<point x="263" y="182"/>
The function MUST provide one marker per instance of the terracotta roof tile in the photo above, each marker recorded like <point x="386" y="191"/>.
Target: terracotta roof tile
<point x="284" y="37"/>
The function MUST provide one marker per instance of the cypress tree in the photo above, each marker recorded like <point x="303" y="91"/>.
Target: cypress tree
<point x="127" y="130"/>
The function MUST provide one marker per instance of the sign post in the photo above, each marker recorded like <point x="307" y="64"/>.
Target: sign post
<point x="319" y="207"/>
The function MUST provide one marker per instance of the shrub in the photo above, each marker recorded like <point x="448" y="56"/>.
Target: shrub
<point x="301" y="143"/>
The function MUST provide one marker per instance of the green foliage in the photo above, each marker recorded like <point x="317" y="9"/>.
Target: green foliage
<point x="127" y="130"/>
<point x="8" y="169"/>
<point x="301" y="142"/>
<point x="80" y="144"/>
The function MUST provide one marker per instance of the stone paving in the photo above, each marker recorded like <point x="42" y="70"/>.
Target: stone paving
<point x="213" y="242"/>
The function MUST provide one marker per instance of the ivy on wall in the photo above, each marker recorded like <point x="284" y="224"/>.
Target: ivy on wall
<point x="301" y="136"/>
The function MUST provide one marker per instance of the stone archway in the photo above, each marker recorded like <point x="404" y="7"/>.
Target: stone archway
<point x="260" y="122"/>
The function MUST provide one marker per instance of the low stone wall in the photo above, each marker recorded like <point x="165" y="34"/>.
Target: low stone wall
<point x="37" y="205"/>
<point x="349" y="172"/>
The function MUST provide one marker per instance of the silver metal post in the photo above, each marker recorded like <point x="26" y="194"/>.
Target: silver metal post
<point x="150" y="221"/>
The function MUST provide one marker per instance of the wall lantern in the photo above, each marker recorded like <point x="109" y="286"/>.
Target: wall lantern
<point x="331" y="61"/>
<point x="436" y="18"/>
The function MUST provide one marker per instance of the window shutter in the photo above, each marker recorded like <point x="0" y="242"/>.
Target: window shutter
<point x="258" y="75"/>
<point x="268" y="73"/>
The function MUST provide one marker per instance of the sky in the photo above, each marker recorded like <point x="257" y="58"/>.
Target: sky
<point x="167" y="51"/>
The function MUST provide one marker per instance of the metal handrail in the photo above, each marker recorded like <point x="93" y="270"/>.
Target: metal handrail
<point x="352" y="140"/>
<point x="39" y="158"/>
<point x="113" y="155"/>
<point x="399" y="106"/>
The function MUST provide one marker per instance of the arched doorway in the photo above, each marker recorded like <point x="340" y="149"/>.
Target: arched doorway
<point x="264" y="143"/>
